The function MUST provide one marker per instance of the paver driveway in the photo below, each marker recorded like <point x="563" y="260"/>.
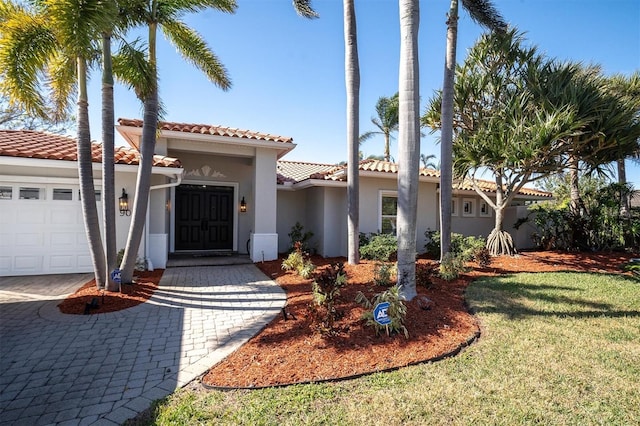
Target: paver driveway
<point x="106" y="368"/>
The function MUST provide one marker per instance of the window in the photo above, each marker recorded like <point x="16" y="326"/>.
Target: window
<point x="485" y="211"/>
<point x="454" y="206"/>
<point x="30" y="193"/>
<point x="98" y="196"/>
<point x="6" y="192"/>
<point x="389" y="212"/>
<point x="62" y="194"/>
<point x="468" y="207"/>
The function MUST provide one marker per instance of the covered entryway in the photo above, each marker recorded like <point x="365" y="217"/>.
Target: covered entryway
<point x="204" y="218"/>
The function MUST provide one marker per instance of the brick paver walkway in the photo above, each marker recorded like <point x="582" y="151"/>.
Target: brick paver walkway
<point x="106" y="368"/>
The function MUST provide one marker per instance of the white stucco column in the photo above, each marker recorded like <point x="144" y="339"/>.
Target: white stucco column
<point x="264" y="239"/>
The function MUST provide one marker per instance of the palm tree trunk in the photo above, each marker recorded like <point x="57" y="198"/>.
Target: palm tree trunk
<point x="85" y="176"/>
<point x="143" y="182"/>
<point x="108" y="172"/>
<point x="387" y="147"/>
<point x="408" y="147"/>
<point x="446" y="137"/>
<point x="352" y="79"/>
<point x="625" y="199"/>
<point x="574" y="179"/>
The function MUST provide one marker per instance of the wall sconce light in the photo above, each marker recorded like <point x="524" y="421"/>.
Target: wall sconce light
<point x="123" y="204"/>
<point x="243" y="206"/>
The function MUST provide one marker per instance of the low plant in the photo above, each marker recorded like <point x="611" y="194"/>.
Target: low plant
<point x="451" y="266"/>
<point x="299" y="261"/>
<point x="483" y="257"/>
<point x="396" y="312"/>
<point x="467" y="247"/>
<point x="299" y="235"/>
<point x="384" y="273"/>
<point x="141" y="264"/>
<point x="424" y="273"/>
<point x="379" y="247"/>
<point x="326" y="289"/>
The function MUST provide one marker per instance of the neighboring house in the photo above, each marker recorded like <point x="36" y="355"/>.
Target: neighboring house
<point x="213" y="189"/>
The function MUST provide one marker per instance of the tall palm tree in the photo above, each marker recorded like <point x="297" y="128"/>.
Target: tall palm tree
<point x="352" y="80"/>
<point x="56" y="39"/>
<point x="386" y="122"/>
<point x="408" y="147"/>
<point x="484" y="13"/>
<point x="165" y="15"/>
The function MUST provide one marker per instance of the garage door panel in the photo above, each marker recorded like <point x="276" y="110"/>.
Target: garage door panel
<point x="33" y="214"/>
<point x="29" y="239"/>
<point x="5" y="265"/>
<point x="27" y="264"/>
<point x="42" y="236"/>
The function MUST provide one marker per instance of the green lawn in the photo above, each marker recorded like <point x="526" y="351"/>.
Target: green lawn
<point x="556" y="348"/>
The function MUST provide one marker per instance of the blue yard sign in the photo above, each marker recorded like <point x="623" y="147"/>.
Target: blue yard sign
<point x="116" y="276"/>
<point x="380" y="314"/>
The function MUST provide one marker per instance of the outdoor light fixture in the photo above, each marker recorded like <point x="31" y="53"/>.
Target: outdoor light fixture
<point x="123" y="204"/>
<point x="243" y="206"/>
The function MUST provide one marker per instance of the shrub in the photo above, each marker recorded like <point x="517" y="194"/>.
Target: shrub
<point x="297" y="235"/>
<point x="299" y="261"/>
<point x="424" y="273"/>
<point x="397" y="311"/>
<point x="467" y="247"/>
<point x="326" y="289"/>
<point x="379" y="247"/>
<point x="451" y="266"/>
<point x="383" y="273"/>
<point x="483" y="257"/>
<point x="141" y="264"/>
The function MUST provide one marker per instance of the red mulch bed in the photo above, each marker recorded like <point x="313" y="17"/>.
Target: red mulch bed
<point x="291" y="351"/>
<point x="134" y="294"/>
<point x="286" y="352"/>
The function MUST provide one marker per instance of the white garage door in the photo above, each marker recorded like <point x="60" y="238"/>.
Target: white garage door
<point x="41" y="230"/>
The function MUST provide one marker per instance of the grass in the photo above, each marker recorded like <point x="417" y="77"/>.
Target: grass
<point x="556" y="348"/>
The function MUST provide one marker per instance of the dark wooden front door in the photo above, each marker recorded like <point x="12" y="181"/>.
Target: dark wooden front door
<point x="204" y="217"/>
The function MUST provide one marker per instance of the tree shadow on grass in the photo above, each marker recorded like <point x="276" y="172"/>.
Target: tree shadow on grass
<point x="514" y="299"/>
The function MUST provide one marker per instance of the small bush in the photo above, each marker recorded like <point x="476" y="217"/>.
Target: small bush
<point x="326" y="289"/>
<point x="141" y="264"/>
<point x="467" y="247"/>
<point x="397" y="311"/>
<point x="298" y="235"/>
<point x="451" y="266"/>
<point x="424" y="273"/>
<point x="379" y="247"/>
<point x="384" y="273"/>
<point x="483" y="257"/>
<point x="299" y="261"/>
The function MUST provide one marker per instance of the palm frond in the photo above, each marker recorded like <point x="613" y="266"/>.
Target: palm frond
<point x="173" y="9"/>
<point x="194" y="49"/>
<point x="131" y="67"/>
<point x="304" y="9"/>
<point x="484" y="13"/>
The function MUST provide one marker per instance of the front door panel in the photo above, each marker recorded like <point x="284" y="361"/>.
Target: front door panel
<point x="204" y="218"/>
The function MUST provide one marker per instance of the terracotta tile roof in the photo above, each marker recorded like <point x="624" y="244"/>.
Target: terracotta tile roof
<point x="370" y="165"/>
<point x="48" y="146"/>
<point x="488" y="186"/>
<point x="209" y="129"/>
<point x="296" y="171"/>
<point x="293" y="171"/>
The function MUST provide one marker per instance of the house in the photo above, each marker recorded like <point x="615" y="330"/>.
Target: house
<point x="213" y="189"/>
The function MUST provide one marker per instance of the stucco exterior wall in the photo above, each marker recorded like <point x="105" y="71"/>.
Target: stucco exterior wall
<point x="290" y="209"/>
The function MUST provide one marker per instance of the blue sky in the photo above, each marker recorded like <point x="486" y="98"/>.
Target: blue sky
<point x="288" y="72"/>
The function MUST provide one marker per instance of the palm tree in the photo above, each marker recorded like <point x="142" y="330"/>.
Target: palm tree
<point x="55" y="38"/>
<point x="352" y="79"/>
<point x="428" y="161"/>
<point x="628" y="89"/>
<point x="484" y="13"/>
<point x="165" y="14"/>
<point x="386" y="122"/>
<point x="408" y="147"/>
